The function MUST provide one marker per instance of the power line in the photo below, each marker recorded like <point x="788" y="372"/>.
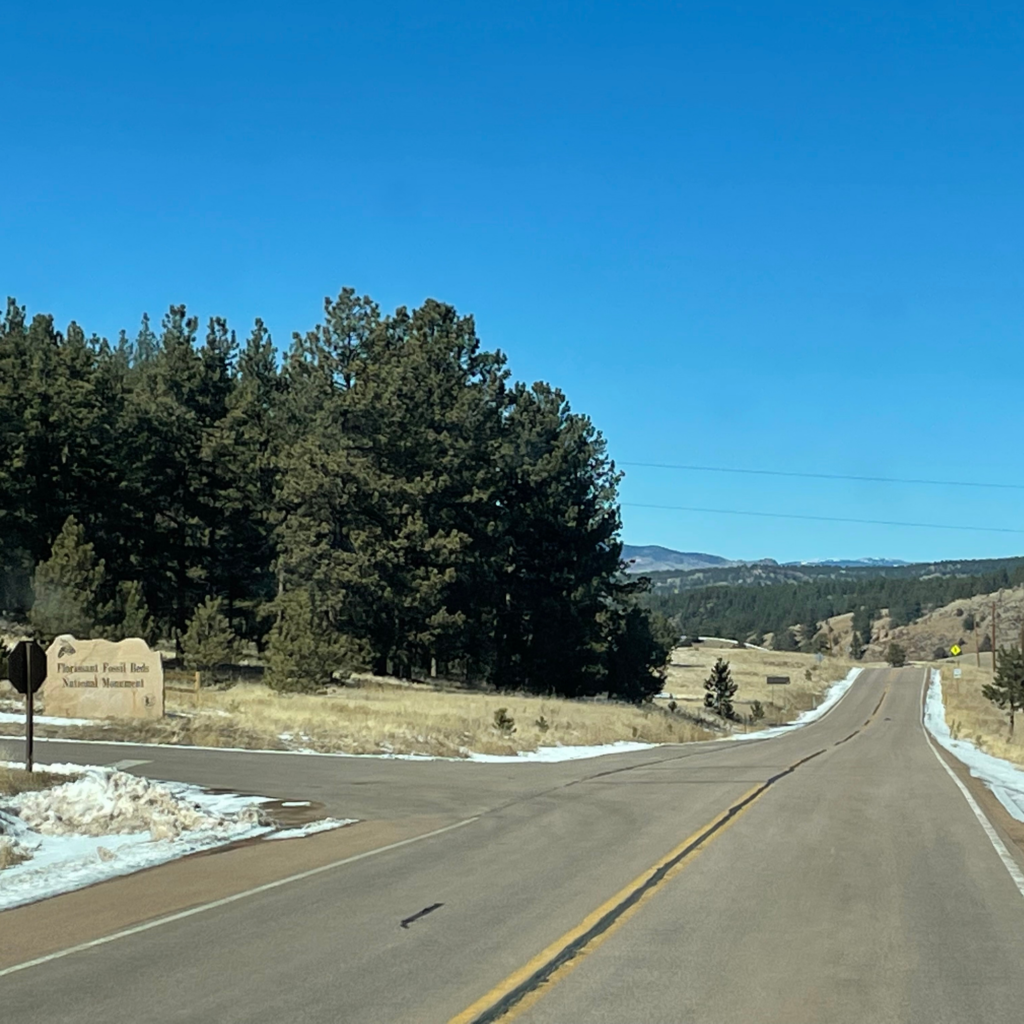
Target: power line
<point x="827" y="476"/>
<point x="824" y="519"/>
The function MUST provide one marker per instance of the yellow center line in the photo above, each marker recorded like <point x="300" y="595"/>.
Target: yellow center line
<point x="524" y="986"/>
<point x="868" y="720"/>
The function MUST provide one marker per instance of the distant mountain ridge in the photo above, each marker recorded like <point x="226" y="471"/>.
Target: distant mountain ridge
<point x="848" y="563"/>
<point x="655" y="558"/>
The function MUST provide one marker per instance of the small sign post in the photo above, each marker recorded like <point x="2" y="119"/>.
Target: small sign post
<point x="779" y="681"/>
<point x="955" y="651"/>
<point x="26" y="667"/>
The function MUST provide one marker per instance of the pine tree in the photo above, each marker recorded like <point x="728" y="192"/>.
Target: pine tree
<point x="1006" y="690"/>
<point x="241" y="447"/>
<point x="303" y="652"/>
<point x="862" y="623"/>
<point x="784" y="640"/>
<point x="209" y="641"/>
<point x="131" y="614"/>
<point x="557" y="588"/>
<point x="639" y="646"/>
<point x="896" y="655"/>
<point x="856" y="647"/>
<point x="808" y="632"/>
<point x="720" y="689"/>
<point x="67" y="586"/>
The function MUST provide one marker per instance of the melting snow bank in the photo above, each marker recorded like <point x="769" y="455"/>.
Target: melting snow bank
<point x="832" y="697"/>
<point x="1005" y="780"/>
<point x="104" y="823"/>
<point x="546" y="755"/>
<point x="549" y="754"/>
<point x="7" y="717"/>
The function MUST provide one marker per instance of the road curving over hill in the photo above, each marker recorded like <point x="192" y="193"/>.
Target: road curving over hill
<point x="836" y="873"/>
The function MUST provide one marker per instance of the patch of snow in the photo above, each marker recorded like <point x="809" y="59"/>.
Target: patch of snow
<point x="1006" y="780"/>
<point x="58" y="768"/>
<point x="106" y="823"/>
<point x="323" y="825"/>
<point x="7" y="718"/>
<point x="549" y="755"/>
<point x="566" y="753"/>
<point x="294" y="803"/>
<point x="728" y="640"/>
<point x="832" y="697"/>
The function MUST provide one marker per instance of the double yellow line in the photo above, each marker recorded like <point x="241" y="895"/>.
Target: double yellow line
<point x="525" y="986"/>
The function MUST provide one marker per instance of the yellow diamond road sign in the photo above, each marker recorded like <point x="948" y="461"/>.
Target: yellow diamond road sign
<point x="954" y="650"/>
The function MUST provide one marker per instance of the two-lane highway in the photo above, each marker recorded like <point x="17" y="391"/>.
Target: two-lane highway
<point x="833" y="874"/>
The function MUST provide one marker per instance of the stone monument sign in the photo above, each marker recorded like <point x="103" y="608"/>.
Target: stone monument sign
<point x="103" y="679"/>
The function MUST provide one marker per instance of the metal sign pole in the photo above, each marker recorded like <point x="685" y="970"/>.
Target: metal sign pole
<point x="26" y="666"/>
<point x="29" y="709"/>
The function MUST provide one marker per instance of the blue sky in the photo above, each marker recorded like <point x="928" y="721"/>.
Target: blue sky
<point x="777" y="236"/>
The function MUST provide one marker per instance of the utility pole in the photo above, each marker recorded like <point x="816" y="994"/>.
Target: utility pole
<point x="993" y="637"/>
<point x="977" y="641"/>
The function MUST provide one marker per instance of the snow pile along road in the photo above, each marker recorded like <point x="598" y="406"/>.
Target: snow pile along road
<point x="832" y="697"/>
<point x="105" y="802"/>
<point x="550" y="755"/>
<point x="1005" y="780"/>
<point x="103" y="823"/>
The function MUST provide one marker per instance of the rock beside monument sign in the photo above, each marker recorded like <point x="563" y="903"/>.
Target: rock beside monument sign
<point x="103" y="679"/>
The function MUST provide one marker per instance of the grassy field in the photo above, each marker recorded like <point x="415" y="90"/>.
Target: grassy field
<point x="971" y="717"/>
<point x="810" y="678"/>
<point x="374" y="716"/>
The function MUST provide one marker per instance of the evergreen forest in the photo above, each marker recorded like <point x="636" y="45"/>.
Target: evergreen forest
<point x="748" y="611"/>
<point x="380" y="495"/>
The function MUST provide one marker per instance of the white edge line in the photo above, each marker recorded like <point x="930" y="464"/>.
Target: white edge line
<point x="1000" y="847"/>
<point x="334" y="753"/>
<point x="213" y="905"/>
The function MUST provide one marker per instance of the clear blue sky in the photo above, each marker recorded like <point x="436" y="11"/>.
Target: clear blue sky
<point x="771" y="235"/>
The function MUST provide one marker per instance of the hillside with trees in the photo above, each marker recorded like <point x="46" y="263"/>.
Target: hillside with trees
<point x="748" y="611"/>
<point x="384" y="496"/>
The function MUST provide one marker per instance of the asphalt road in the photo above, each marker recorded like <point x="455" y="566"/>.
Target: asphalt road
<point x="833" y="874"/>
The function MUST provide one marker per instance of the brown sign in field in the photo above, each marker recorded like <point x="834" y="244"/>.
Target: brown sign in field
<point x="778" y="680"/>
<point x="103" y="679"/>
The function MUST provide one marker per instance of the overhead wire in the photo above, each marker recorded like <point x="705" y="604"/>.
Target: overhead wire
<point x="825" y="476"/>
<point x="823" y="519"/>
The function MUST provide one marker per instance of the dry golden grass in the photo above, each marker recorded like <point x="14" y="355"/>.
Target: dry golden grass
<point x="374" y="715"/>
<point x="971" y="717"/>
<point x="379" y="716"/>
<point x="12" y="782"/>
<point x="16" y="780"/>
<point x="11" y="855"/>
<point x="809" y="678"/>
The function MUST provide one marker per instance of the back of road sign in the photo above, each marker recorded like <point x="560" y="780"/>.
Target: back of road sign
<point x="26" y="666"/>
